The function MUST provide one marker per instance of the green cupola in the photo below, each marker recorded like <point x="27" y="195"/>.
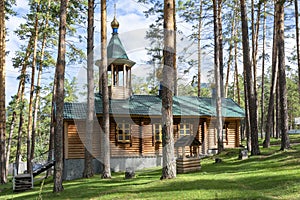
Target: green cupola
<point x="119" y="66"/>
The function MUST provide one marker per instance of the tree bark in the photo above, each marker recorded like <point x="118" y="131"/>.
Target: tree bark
<point x="285" y="142"/>
<point x="88" y="158"/>
<point x="249" y="81"/>
<point x="255" y="34"/>
<point x="174" y="59"/>
<point x="8" y="148"/>
<point x="297" y="42"/>
<point x="30" y="137"/>
<point x="218" y="77"/>
<point x="169" y="163"/>
<point x="59" y="100"/>
<point x="199" y="47"/>
<point x="236" y="71"/>
<point x="270" y="117"/>
<point x="220" y="38"/>
<point x="3" y="174"/>
<point x="106" y="174"/>
<point x="262" y="122"/>
<point x="39" y="79"/>
<point x="230" y="57"/>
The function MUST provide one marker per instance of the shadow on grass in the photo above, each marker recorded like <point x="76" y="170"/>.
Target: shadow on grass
<point x="265" y="176"/>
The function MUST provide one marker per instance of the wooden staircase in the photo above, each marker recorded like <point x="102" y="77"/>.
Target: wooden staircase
<point x="22" y="182"/>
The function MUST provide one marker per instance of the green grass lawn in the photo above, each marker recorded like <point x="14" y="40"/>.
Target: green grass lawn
<point x="272" y="175"/>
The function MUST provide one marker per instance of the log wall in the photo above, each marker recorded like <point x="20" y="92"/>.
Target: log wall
<point x="142" y="139"/>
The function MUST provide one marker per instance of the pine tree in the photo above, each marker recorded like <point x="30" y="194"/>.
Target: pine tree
<point x="106" y="147"/>
<point x="3" y="177"/>
<point x="169" y="165"/>
<point x="59" y="100"/>
<point x="88" y="158"/>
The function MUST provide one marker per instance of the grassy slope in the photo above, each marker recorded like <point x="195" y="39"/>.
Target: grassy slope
<point x="272" y="175"/>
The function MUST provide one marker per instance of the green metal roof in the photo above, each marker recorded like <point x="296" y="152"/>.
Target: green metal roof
<point x="115" y="48"/>
<point x="149" y="105"/>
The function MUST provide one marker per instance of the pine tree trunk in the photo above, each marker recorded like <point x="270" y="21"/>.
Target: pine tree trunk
<point x="39" y="80"/>
<point x="169" y="163"/>
<point x="270" y="116"/>
<point x="52" y="126"/>
<point x="278" y="116"/>
<point x="220" y="38"/>
<point x="106" y="174"/>
<point x="199" y="47"/>
<point x="237" y="72"/>
<point x="263" y="73"/>
<point x="3" y="177"/>
<point x="230" y="57"/>
<point x="297" y="42"/>
<point x="255" y="34"/>
<point x="88" y="158"/>
<point x="218" y="76"/>
<point x="59" y="100"/>
<point x="249" y="80"/>
<point x="19" y="102"/>
<point x="285" y="142"/>
<point x="30" y="137"/>
<point x="174" y="59"/>
<point x="8" y="148"/>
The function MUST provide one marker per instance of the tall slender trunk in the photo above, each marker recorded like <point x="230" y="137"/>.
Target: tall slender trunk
<point x="20" y="102"/>
<point x="277" y="132"/>
<point x="106" y="146"/>
<point x="199" y="47"/>
<point x="59" y="100"/>
<point x="174" y="59"/>
<point x="8" y="148"/>
<point x="263" y="73"/>
<point x="52" y="126"/>
<point x="88" y="158"/>
<point x="217" y="68"/>
<point x="285" y="141"/>
<point x="270" y="116"/>
<point x="249" y="81"/>
<point x="220" y="38"/>
<point x="169" y="165"/>
<point x="3" y="174"/>
<point x="30" y="137"/>
<point x="236" y="71"/>
<point x="255" y="34"/>
<point x="297" y="42"/>
<point x="230" y="57"/>
<point x="38" y="85"/>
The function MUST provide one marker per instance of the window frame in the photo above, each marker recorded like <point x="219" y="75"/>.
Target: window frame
<point x="157" y="132"/>
<point x="183" y="127"/>
<point x="125" y="132"/>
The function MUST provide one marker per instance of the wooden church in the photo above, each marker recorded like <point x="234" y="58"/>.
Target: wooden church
<point x="135" y="122"/>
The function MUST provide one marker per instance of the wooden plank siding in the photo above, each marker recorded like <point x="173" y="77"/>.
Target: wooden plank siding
<point x="75" y="140"/>
<point x="142" y="141"/>
<point x="233" y="136"/>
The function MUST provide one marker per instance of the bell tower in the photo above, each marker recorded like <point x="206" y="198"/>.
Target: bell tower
<point x="119" y="66"/>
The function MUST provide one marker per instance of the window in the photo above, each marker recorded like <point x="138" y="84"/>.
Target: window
<point x="157" y="132"/>
<point x="123" y="133"/>
<point x="185" y="129"/>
